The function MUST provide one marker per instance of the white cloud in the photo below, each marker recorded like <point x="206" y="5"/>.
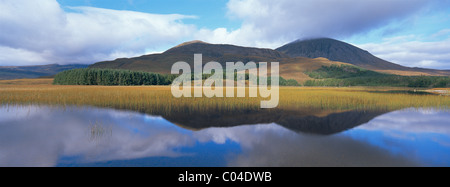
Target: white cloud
<point x="267" y="21"/>
<point x="410" y="51"/>
<point x="12" y="56"/>
<point x="41" y="32"/>
<point x="247" y="35"/>
<point x="442" y="33"/>
<point x="45" y="33"/>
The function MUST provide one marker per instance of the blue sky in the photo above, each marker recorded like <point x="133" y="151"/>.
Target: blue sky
<point x="213" y="16"/>
<point x="414" y="33"/>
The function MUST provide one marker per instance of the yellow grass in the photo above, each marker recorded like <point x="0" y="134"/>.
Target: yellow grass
<point x="413" y="73"/>
<point x="159" y="100"/>
<point x="357" y="99"/>
<point x="26" y="82"/>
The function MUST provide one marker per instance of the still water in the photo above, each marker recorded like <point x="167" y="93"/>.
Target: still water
<point x="85" y="136"/>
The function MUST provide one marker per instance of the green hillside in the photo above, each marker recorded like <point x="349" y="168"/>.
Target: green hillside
<point x="346" y="75"/>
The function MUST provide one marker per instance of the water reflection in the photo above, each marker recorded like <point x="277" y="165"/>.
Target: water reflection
<point x="312" y="122"/>
<point x="52" y="136"/>
<point x="421" y="135"/>
<point x="41" y="136"/>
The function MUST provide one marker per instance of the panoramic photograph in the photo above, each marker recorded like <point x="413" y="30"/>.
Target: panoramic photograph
<point x="224" y="83"/>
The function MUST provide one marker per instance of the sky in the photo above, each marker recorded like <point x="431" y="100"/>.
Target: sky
<point x="413" y="33"/>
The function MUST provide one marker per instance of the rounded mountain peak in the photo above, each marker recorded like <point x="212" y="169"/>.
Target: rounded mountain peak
<point x="191" y="42"/>
<point x="336" y="50"/>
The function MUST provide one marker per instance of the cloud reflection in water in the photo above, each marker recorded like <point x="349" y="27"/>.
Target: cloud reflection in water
<point x="51" y="136"/>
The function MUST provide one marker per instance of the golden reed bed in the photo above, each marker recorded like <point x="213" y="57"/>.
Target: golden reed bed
<point x="159" y="100"/>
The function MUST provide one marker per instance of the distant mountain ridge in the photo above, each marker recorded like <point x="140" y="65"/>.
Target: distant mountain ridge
<point x="21" y="72"/>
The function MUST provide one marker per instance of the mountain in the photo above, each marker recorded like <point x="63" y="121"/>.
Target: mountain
<point x="162" y="63"/>
<point x="295" y="58"/>
<point x="343" y="52"/>
<point x="290" y="68"/>
<point x="21" y="72"/>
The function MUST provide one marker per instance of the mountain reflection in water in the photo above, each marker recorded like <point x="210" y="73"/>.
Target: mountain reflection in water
<point x="85" y="136"/>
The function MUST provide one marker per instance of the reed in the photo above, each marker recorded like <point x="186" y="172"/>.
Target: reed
<point x="98" y="131"/>
<point x="159" y="100"/>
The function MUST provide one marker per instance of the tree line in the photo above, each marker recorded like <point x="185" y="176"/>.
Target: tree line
<point x="111" y="77"/>
<point x="114" y="77"/>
